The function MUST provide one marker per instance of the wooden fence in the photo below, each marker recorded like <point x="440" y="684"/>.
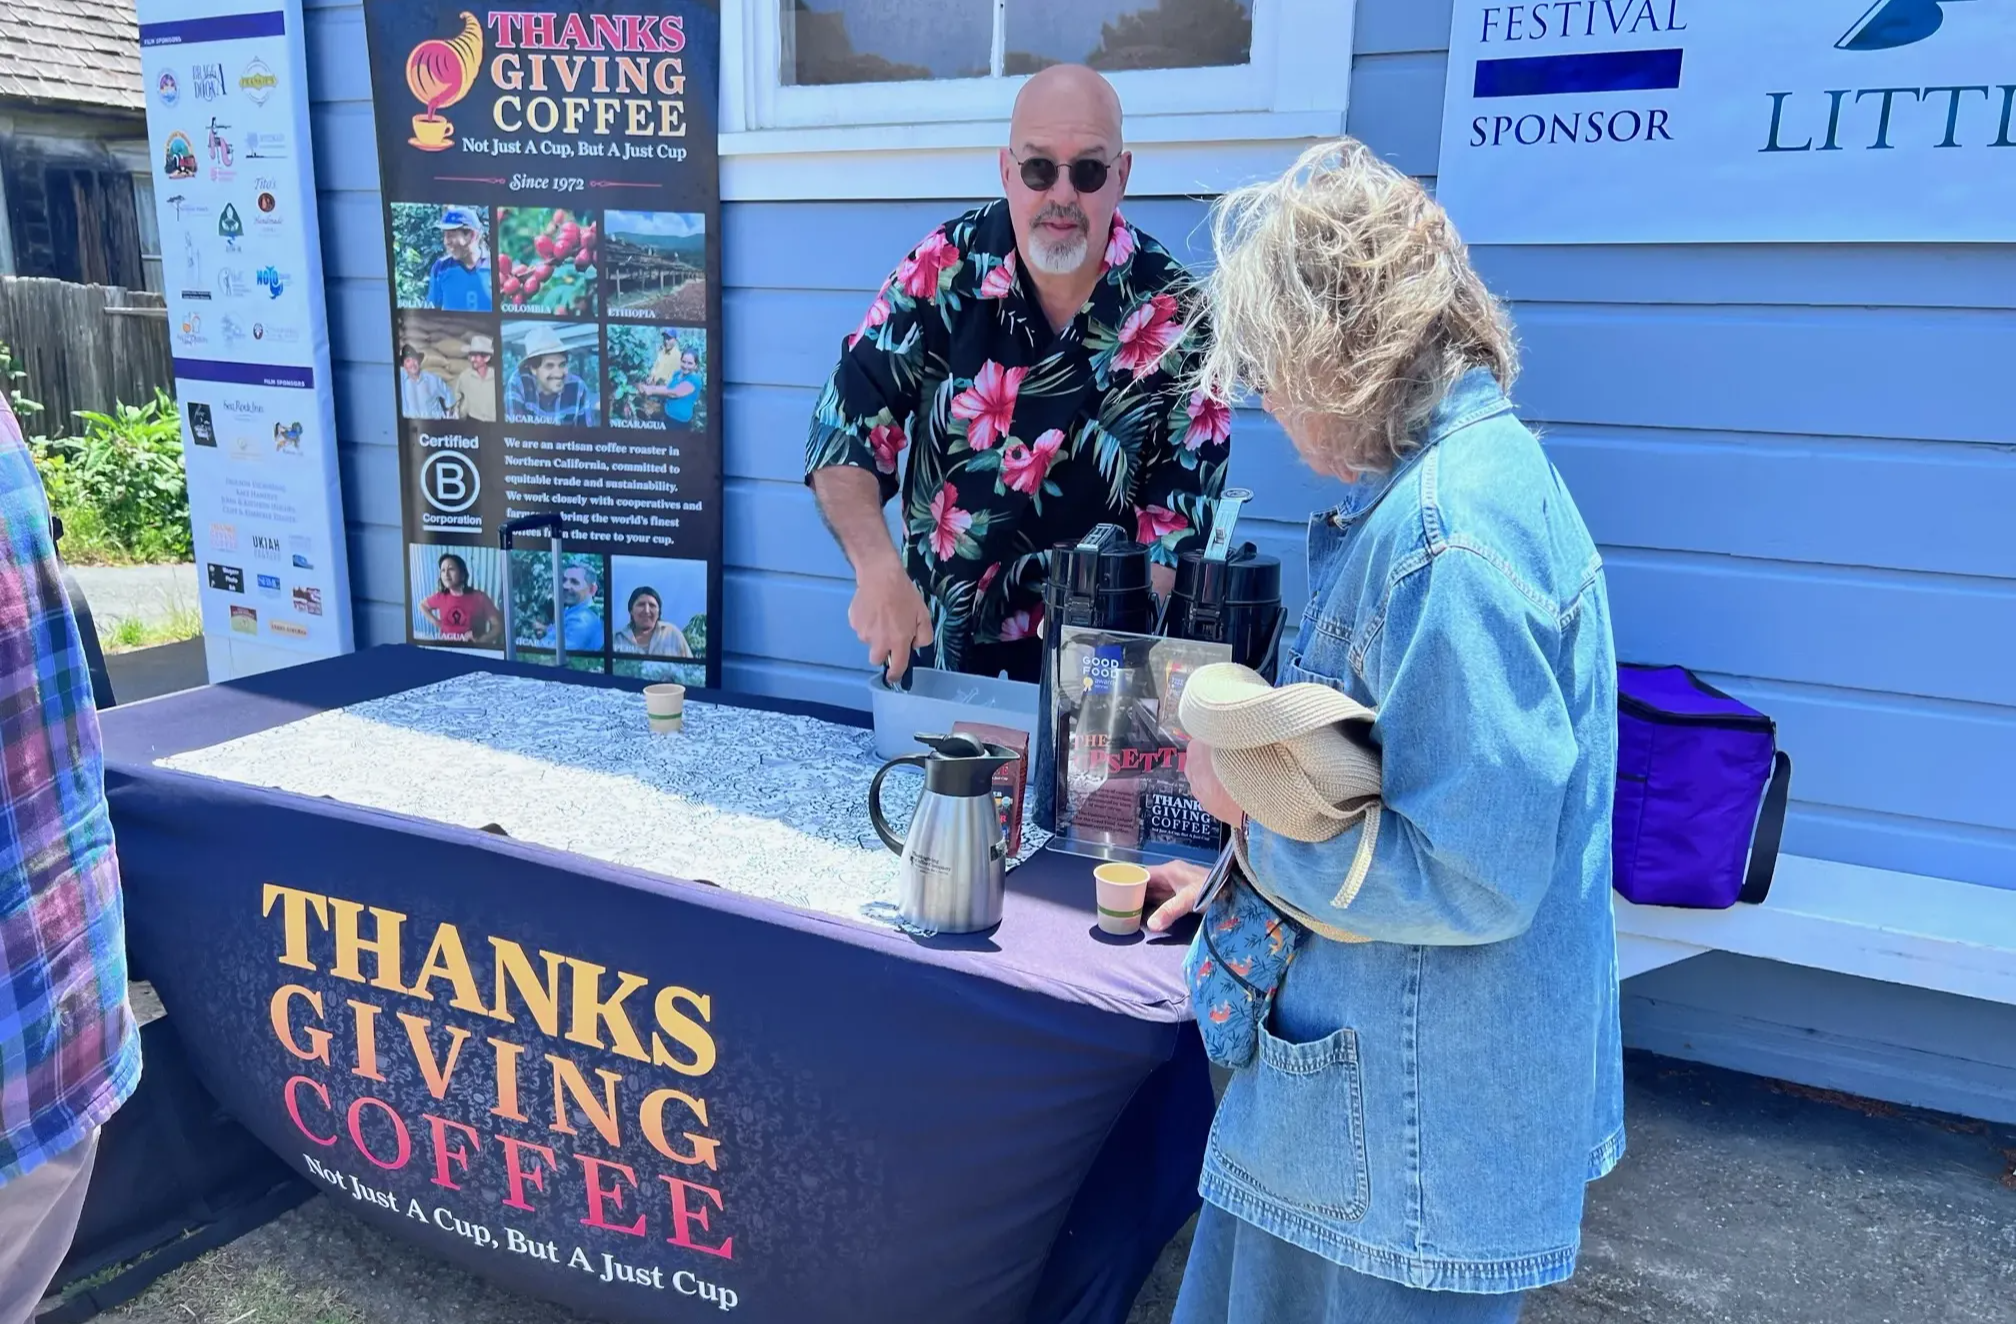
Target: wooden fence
<point x="83" y="347"/>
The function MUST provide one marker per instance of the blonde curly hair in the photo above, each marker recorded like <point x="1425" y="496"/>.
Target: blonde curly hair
<point x="1343" y="293"/>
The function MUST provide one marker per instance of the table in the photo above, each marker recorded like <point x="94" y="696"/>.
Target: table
<point x="645" y="1098"/>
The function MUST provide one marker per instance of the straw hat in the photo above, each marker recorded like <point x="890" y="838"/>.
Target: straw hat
<point x="1299" y="759"/>
<point x="541" y="341"/>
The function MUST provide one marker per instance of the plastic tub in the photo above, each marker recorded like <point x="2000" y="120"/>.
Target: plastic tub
<point x="936" y="700"/>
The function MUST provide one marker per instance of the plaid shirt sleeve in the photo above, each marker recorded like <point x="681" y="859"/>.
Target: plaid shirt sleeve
<point x="577" y="404"/>
<point x="574" y="406"/>
<point x="69" y="1049"/>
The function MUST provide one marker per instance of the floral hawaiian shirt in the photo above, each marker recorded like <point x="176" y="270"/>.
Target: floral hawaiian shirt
<point x="1021" y="437"/>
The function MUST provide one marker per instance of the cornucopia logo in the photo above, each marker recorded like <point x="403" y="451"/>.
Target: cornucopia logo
<point x="439" y="73"/>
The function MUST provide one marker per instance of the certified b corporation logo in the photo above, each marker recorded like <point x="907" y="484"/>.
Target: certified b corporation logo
<point x="450" y="481"/>
<point x="439" y="73"/>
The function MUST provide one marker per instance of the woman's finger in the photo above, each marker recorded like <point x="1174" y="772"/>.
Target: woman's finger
<point x="1176" y="907"/>
<point x="1168" y="879"/>
<point x="1175" y="874"/>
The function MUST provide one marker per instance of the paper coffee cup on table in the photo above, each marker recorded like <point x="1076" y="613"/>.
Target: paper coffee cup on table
<point x="1123" y="890"/>
<point x="666" y="706"/>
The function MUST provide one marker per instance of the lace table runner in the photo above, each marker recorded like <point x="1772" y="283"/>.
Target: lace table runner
<point x="768" y="804"/>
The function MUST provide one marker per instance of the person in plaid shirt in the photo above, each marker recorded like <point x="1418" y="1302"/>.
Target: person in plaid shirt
<point x="69" y="1048"/>
<point x="546" y="389"/>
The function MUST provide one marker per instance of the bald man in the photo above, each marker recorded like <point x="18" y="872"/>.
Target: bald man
<point x="1029" y="357"/>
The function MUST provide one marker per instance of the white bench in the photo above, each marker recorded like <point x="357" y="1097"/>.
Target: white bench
<point x="1881" y="924"/>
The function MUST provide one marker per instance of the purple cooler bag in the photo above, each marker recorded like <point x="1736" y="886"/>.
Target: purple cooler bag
<point x="1701" y="792"/>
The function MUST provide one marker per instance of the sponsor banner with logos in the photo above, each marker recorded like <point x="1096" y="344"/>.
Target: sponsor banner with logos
<point x="552" y="209"/>
<point x="1712" y="121"/>
<point x="227" y="121"/>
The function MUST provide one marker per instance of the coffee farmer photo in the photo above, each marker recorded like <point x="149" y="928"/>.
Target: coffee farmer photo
<point x="674" y="380"/>
<point x="476" y="386"/>
<point x="459" y="280"/>
<point x="1029" y="437"/>
<point x="546" y="389"/>
<point x="422" y="394"/>
<point x="581" y="619"/>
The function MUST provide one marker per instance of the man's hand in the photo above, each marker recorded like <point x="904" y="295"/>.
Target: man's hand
<point x="1172" y="890"/>
<point x="887" y="613"/>
<point x="1206" y="787"/>
<point x="890" y="616"/>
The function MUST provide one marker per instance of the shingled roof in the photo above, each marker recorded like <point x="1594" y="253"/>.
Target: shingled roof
<point x="71" y="52"/>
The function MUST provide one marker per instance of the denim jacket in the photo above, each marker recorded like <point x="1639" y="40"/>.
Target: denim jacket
<point x="1442" y="1074"/>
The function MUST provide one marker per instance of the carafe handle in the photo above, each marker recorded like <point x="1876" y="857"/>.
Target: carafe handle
<point x="1270" y="661"/>
<point x="889" y="838"/>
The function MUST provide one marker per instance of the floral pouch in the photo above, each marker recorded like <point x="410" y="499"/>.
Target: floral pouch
<point x="1235" y="963"/>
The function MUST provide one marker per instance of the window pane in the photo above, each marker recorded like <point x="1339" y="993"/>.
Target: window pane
<point x="1128" y="34"/>
<point x="150" y="231"/>
<point x="143" y="212"/>
<point x="884" y="41"/>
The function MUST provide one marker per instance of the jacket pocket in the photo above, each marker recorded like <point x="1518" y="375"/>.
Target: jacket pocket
<point x="1292" y="1126"/>
<point x="1294" y="668"/>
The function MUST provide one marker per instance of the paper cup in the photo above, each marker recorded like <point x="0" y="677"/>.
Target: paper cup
<point x="665" y="705"/>
<point x="1123" y="890"/>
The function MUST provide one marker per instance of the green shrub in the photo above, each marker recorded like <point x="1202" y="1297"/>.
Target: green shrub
<point x="124" y="634"/>
<point x="120" y="488"/>
<point x="14" y="383"/>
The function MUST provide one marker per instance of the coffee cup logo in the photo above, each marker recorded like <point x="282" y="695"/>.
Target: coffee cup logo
<point x="440" y="73"/>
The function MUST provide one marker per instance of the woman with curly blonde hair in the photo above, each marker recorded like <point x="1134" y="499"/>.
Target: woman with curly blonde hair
<point x="1440" y="1073"/>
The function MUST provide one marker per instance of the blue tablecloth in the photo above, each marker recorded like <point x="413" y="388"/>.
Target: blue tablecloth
<point x="647" y="1098"/>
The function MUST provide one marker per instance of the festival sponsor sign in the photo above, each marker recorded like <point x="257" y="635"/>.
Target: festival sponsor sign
<point x="1702" y="121"/>
<point x="247" y="317"/>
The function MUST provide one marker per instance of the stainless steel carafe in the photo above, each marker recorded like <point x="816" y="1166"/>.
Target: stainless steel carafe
<point x="954" y="855"/>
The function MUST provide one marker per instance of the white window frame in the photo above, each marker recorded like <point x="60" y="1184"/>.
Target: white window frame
<point x="1245" y="87"/>
<point x="1191" y="130"/>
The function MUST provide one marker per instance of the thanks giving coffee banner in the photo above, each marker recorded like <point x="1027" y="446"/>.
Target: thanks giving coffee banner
<point x="391" y="1111"/>
<point x="552" y="205"/>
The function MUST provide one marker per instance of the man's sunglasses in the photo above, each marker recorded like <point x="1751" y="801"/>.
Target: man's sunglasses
<point x="1087" y="175"/>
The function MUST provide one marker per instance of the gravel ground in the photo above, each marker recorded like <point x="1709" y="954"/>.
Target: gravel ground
<point x="1741" y="1199"/>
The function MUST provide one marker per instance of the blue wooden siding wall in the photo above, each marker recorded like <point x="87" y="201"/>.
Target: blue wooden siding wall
<point x="1799" y="460"/>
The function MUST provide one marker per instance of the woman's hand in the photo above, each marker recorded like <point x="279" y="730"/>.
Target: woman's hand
<point x="1173" y="887"/>
<point x="1172" y="891"/>
<point x="1206" y="787"/>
